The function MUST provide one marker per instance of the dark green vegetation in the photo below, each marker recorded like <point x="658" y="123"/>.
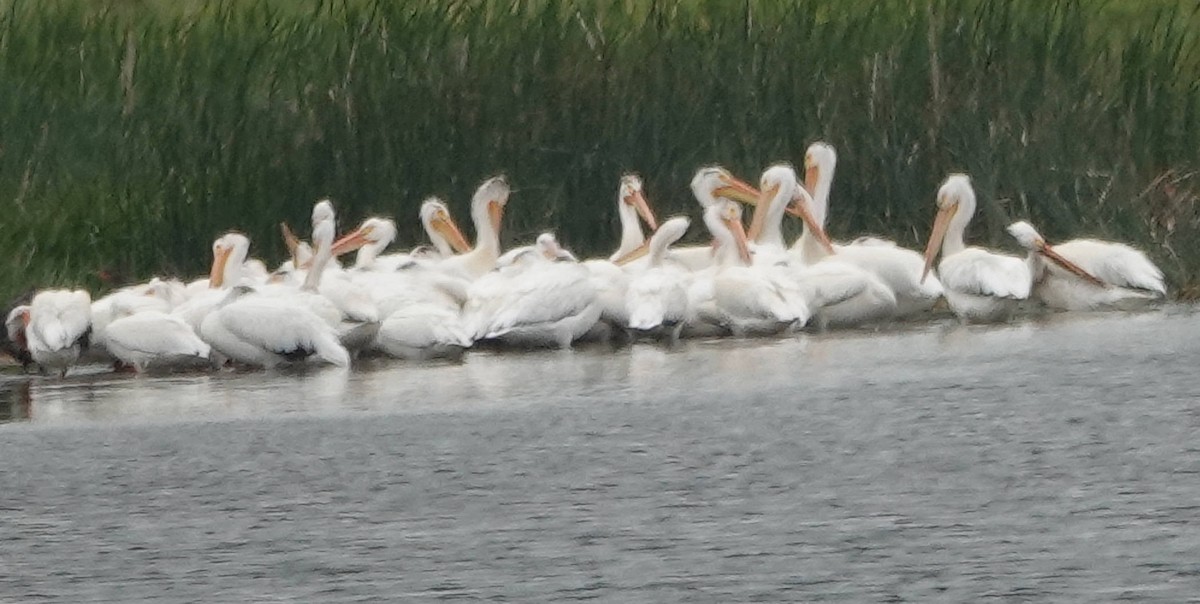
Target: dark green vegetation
<point x="133" y="133"/>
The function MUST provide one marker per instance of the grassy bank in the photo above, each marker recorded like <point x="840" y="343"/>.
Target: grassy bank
<point x="133" y="133"/>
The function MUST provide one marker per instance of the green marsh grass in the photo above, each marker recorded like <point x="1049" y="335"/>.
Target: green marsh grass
<point x="133" y="133"/>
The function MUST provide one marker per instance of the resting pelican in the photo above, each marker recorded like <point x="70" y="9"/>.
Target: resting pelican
<point x="539" y="298"/>
<point x="897" y="268"/>
<point x="981" y="286"/>
<point x="657" y="297"/>
<point x="747" y="300"/>
<point x="267" y="331"/>
<point x="155" y="338"/>
<point x="487" y="211"/>
<point x="1086" y="274"/>
<point x="839" y="293"/>
<point x="56" y="328"/>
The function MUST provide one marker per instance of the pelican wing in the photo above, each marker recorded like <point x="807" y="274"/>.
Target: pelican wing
<point x="282" y="327"/>
<point x="982" y="273"/>
<point x="1114" y="263"/>
<point x="543" y="294"/>
<point x="156" y="334"/>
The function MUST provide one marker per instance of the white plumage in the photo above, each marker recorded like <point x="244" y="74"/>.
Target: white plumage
<point x="266" y="331"/>
<point x="657" y="296"/>
<point x="534" y="301"/>
<point x="1087" y="274"/>
<point x="58" y="322"/>
<point x="155" y="338"/>
<point x="979" y="285"/>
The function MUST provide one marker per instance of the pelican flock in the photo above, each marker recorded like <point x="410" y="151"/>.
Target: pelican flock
<point x="444" y="298"/>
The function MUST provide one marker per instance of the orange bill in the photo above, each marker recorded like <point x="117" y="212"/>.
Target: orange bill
<point x="1069" y="266"/>
<point x="446" y="227"/>
<point x="638" y="201"/>
<point x="940" y="224"/>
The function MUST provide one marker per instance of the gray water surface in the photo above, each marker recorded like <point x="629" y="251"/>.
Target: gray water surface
<point x="1053" y="460"/>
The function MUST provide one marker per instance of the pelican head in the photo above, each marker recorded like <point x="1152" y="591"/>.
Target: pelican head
<point x="490" y="198"/>
<point x="376" y="233"/>
<point x="322" y="211"/>
<point x="1031" y="240"/>
<point x="631" y="196"/>
<point x="715" y="182"/>
<point x="781" y="192"/>
<point x="724" y="219"/>
<point x="229" y="252"/>
<point x="955" y="198"/>
<point x="441" y="228"/>
<point x="547" y="245"/>
<point x="819" y="162"/>
<point x="1026" y="235"/>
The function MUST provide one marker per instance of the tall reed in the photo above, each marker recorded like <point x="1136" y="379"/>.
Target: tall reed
<point x="133" y="133"/>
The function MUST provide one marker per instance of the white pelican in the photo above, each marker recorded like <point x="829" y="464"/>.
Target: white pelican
<point x="710" y="185"/>
<point x="746" y="299"/>
<point x="657" y="297"/>
<point x="155" y="338"/>
<point x="981" y="286"/>
<point x="487" y="211"/>
<point x="56" y="328"/>
<point x="631" y="203"/>
<point x="229" y="255"/>
<point x="896" y="267"/>
<point x="1086" y="274"/>
<point x="266" y="331"/>
<point x="375" y="234"/>
<point x="540" y="297"/>
<point x="839" y="294"/>
<point x="419" y="305"/>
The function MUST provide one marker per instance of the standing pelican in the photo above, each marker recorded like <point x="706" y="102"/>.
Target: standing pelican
<point x="487" y="211"/>
<point x="981" y="286"/>
<point x="1086" y="274"/>
<point x="657" y="297"/>
<point x="56" y="328"/>
<point x="896" y="267"/>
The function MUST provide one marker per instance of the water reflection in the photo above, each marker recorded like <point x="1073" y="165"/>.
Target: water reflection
<point x="485" y="381"/>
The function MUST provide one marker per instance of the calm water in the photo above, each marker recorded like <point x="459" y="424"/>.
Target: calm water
<point x="1045" y="461"/>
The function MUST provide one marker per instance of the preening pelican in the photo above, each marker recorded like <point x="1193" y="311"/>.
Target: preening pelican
<point x="487" y="211"/>
<point x="1086" y="274"/>
<point x="56" y="328"/>
<point x="266" y="331"/>
<point x="839" y="294"/>
<point x="980" y="285"/>
<point x="155" y="338"/>
<point x="897" y="268"/>
<point x="657" y="296"/>
<point x="539" y="298"/>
